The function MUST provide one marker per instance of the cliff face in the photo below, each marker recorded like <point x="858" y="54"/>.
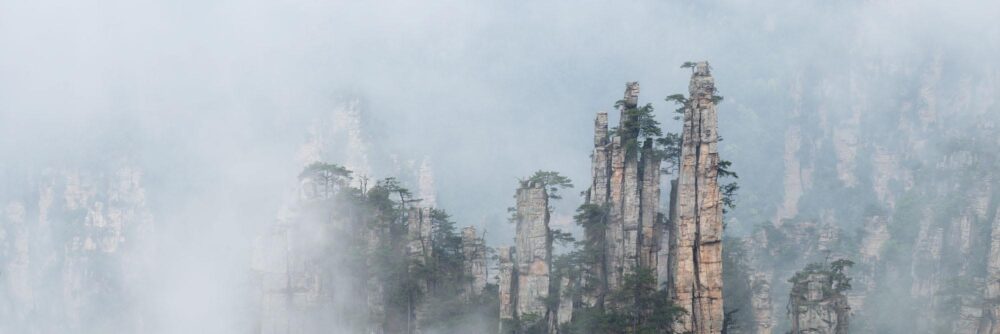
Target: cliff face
<point x="814" y="308"/>
<point x="990" y="323"/>
<point x="696" y="248"/>
<point x="339" y="137"/>
<point x="774" y="254"/>
<point x="75" y="243"/>
<point x="295" y="272"/>
<point x="906" y="181"/>
<point x="340" y="247"/>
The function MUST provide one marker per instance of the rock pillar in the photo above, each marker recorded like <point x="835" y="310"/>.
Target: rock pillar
<point x="696" y="266"/>
<point x="534" y="250"/>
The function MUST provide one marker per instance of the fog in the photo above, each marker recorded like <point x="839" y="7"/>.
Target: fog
<point x="213" y="100"/>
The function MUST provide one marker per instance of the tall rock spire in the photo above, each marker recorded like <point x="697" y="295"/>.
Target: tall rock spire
<point x="474" y="250"/>
<point x="696" y="266"/>
<point x="425" y="183"/>
<point x="507" y="288"/>
<point x="598" y="195"/>
<point x="534" y="249"/>
<point x="420" y="249"/>
<point x="626" y="188"/>
<point x="524" y="271"/>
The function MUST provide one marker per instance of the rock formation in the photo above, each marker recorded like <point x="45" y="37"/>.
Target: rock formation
<point x="626" y="184"/>
<point x="534" y="250"/>
<point x="990" y="323"/>
<point x="524" y="271"/>
<point x="564" y="313"/>
<point x="420" y="248"/>
<point x="425" y="181"/>
<point x="696" y="248"/>
<point x="816" y="308"/>
<point x="340" y="136"/>
<point x="293" y="275"/>
<point x="74" y="241"/>
<point x="474" y="251"/>
<point x="760" y="300"/>
<point x="507" y="288"/>
<point x="419" y="235"/>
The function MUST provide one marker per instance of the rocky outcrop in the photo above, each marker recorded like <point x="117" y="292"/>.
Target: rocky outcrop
<point x="626" y="185"/>
<point x="339" y="136"/>
<point x="990" y="320"/>
<point x="419" y="235"/>
<point x="649" y="206"/>
<point x="15" y="241"/>
<point x="564" y="313"/>
<point x="291" y="270"/>
<point x="523" y="280"/>
<point x="598" y="194"/>
<point x="777" y="252"/>
<point x="375" y="241"/>
<point x="815" y="307"/>
<point x="760" y="300"/>
<point x="474" y="251"/>
<point x="507" y="288"/>
<point x="73" y="242"/>
<point x="794" y="175"/>
<point x="420" y="249"/>
<point x="425" y="181"/>
<point x="696" y="247"/>
<point x="304" y="286"/>
<point x="534" y="250"/>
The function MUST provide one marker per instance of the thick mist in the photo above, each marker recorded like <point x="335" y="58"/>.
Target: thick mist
<point x="213" y="101"/>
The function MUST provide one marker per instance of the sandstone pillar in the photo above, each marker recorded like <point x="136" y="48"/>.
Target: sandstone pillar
<point x="534" y="250"/>
<point x="697" y="234"/>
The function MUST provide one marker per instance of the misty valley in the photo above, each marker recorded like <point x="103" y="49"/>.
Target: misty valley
<point x="436" y="168"/>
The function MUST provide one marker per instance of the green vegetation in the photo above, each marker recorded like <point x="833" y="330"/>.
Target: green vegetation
<point x="377" y="256"/>
<point x="728" y="190"/>
<point x="638" y="124"/>
<point x="670" y="152"/>
<point x="552" y="181"/>
<point x="327" y="178"/>
<point x="639" y="308"/>
<point x="838" y="281"/>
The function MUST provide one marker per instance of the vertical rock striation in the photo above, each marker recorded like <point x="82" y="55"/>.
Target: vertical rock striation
<point x="73" y="242"/>
<point x="419" y="234"/>
<point x="599" y="195"/>
<point x="564" y="313"/>
<point x="990" y="323"/>
<point x="474" y="251"/>
<point x="507" y="288"/>
<point x="697" y="234"/>
<point x="524" y="286"/>
<point x="816" y="308"/>
<point x="534" y="250"/>
<point x="760" y="300"/>
<point x="420" y="252"/>
<point x="626" y="187"/>
<point x="649" y="215"/>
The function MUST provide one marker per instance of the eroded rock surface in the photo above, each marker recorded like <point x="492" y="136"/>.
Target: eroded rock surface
<point x="696" y="248"/>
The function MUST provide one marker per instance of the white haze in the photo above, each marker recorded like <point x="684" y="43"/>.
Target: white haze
<point x="212" y="98"/>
